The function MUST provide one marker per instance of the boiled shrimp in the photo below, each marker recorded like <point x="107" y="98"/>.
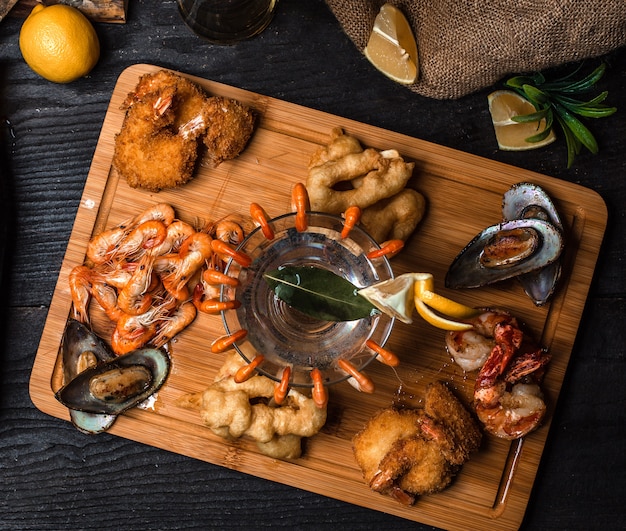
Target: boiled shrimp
<point x="159" y="212"/>
<point x="174" y="323"/>
<point x="101" y="248"/>
<point x="176" y="270"/>
<point x="177" y="232"/>
<point x="141" y="239"/>
<point x="106" y="296"/>
<point x="134" y="298"/>
<point x="80" y="290"/>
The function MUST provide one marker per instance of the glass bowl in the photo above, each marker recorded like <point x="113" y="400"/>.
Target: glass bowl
<point x="284" y="335"/>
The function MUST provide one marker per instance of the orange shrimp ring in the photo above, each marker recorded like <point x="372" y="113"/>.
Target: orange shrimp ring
<point x="364" y="382"/>
<point x="223" y="343"/>
<point x="388" y="249"/>
<point x="319" y="393"/>
<point x="260" y="216"/>
<point x="222" y="248"/>
<point x="352" y="215"/>
<point x="282" y="388"/>
<point x="300" y="202"/>
<point x="383" y="355"/>
<point x="247" y="371"/>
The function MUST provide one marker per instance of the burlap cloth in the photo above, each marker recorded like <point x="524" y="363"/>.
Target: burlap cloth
<point x="466" y="45"/>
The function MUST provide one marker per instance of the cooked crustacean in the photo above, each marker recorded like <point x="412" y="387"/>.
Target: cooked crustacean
<point x="230" y="126"/>
<point x="81" y="350"/>
<point x="529" y="201"/>
<point x="149" y="152"/>
<point x="507" y="393"/>
<point x="168" y="119"/>
<point x="527" y="245"/>
<point x="405" y="453"/>
<point x="112" y="387"/>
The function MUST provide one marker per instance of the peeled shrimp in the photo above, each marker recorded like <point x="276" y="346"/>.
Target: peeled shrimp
<point x="471" y="348"/>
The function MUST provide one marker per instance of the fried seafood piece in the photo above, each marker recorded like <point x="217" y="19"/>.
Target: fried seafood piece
<point x="230" y="126"/>
<point x="149" y="153"/>
<point x="343" y="174"/>
<point x="191" y="100"/>
<point x="182" y="115"/>
<point x="232" y="410"/>
<point x="396" y="217"/>
<point x="407" y="453"/>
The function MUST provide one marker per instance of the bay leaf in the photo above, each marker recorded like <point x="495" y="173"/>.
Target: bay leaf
<point x="319" y="293"/>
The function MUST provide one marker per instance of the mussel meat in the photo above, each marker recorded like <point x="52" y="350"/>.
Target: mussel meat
<point x="505" y="251"/>
<point x="117" y="385"/>
<point x="529" y="201"/>
<point x="82" y="349"/>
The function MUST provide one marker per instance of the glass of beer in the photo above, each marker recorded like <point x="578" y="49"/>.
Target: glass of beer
<point x="227" y="21"/>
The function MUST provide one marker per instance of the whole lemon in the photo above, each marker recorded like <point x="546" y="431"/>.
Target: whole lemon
<point x="59" y="43"/>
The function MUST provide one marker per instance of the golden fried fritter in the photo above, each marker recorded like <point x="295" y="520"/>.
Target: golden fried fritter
<point x="406" y="453"/>
<point x="230" y="126"/>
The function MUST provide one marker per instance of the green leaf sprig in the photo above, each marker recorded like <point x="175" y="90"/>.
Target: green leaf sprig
<point x="319" y="293"/>
<point x="560" y="100"/>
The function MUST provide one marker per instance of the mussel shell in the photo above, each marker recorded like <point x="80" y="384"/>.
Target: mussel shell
<point x="78" y="394"/>
<point x="81" y="349"/>
<point x="527" y="200"/>
<point x="467" y="271"/>
<point x="79" y="344"/>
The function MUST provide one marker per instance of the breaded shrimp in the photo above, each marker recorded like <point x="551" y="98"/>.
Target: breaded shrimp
<point x="230" y="127"/>
<point x="149" y="153"/>
<point x="406" y="453"/>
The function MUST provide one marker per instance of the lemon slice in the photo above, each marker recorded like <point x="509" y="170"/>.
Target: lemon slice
<point x="391" y="47"/>
<point x="393" y="297"/>
<point x="511" y="136"/>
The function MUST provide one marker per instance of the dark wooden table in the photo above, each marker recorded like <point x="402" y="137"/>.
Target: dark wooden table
<point x="53" y="477"/>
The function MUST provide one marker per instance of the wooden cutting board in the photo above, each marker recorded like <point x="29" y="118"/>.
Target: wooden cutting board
<point x="464" y="194"/>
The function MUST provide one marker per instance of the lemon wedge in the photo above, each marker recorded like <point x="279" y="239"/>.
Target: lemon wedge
<point x="437" y="320"/>
<point x="511" y="136"/>
<point x="391" y="47"/>
<point x="393" y="297"/>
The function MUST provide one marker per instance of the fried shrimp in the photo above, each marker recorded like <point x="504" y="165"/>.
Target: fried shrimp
<point x="230" y="126"/>
<point x="168" y="119"/>
<point x="149" y="153"/>
<point x="191" y="101"/>
<point x="407" y="453"/>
